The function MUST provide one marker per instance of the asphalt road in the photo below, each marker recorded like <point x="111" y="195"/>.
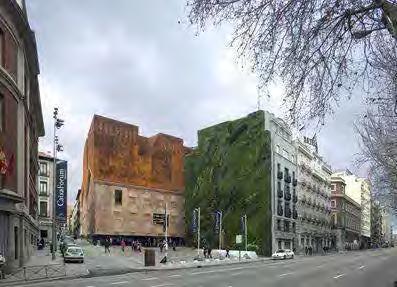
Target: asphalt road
<point x="366" y="268"/>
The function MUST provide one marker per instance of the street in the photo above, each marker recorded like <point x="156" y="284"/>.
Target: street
<point x="362" y="268"/>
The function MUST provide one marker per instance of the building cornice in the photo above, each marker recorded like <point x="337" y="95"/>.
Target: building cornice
<point x="111" y="183"/>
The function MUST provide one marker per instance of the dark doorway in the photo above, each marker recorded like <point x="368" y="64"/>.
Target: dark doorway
<point x="16" y="242"/>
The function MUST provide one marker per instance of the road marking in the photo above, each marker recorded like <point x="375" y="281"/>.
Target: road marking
<point x="319" y="266"/>
<point x="161" y="285"/>
<point x="338" y="276"/>
<point x="118" y="283"/>
<point x="175" y="275"/>
<point x="361" y="267"/>
<point x="285" y="274"/>
<point x="149" y="278"/>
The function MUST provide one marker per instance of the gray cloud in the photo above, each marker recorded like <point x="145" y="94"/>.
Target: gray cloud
<point x="133" y="61"/>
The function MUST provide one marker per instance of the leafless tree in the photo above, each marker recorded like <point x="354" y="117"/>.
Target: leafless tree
<point x="321" y="50"/>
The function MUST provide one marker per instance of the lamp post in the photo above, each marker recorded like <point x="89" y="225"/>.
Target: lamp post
<point x="58" y="123"/>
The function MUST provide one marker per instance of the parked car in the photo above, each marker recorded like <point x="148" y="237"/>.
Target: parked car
<point x="283" y="254"/>
<point x="74" y="254"/>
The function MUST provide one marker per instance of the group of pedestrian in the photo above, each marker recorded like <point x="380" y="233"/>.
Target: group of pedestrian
<point x="207" y="252"/>
<point x="308" y="250"/>
<point x="325" y="249"/>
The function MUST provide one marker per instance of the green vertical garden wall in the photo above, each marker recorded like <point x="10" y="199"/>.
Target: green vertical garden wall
<point x="230" y="170"/>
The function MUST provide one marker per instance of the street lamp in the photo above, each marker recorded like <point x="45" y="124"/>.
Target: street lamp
<point x="58" y="123"/>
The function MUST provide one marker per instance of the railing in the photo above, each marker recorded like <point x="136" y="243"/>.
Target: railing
<point x="287" y="196"/>
<point x="35" y="272"/>
<point x="280" y="175"/>
<point x="279" y="193"/>
<point x="288" y="179"/>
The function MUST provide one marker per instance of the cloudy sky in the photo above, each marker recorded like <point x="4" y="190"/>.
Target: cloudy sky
<point x="140" y="62"/>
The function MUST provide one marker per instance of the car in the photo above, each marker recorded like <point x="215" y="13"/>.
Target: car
<point x="283" y="254"/>
<point x="74" y="254"/>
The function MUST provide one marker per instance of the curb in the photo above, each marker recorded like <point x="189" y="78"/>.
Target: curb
<point x="113" y="272"/>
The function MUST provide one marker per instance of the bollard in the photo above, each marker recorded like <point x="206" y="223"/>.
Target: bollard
<point x="46" y="271"/>
<point x="24" y="273"/>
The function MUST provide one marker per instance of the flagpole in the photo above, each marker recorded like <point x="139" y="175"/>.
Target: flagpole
<point x="198" y="233"/>
<point x="245" y="229"/>
<point x="220" y="231"/>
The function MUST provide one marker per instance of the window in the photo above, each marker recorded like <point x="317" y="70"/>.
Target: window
<point x="277" y="149"/>
<point x="43" y="233"/>
<point x="278" y="167"/>
<point x="43" y="208"/>
<point x="293" y="227"/>
<point x="333" y="187"/>
<point x="278" y="224"/>
<point x="279" y="244"/>
<point x="285" y="153"/>
<point x="118" y="197"/>
<point x="302" y="241"/>
<point x="43" y="168"/>
<point x="333" y="203"/>
<point x="286" y="226"/>
<point x="16" y="243"/>
<point x="2" y="117"/>
<point x="43" y="188"/>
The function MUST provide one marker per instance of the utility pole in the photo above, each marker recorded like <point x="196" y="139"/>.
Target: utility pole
<point x="58" y="123"/>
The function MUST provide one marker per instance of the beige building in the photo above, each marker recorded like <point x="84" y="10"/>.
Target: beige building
<point x="128" y="180"/>
<point x="359" y="189"/>
<point x="314" y="174"/>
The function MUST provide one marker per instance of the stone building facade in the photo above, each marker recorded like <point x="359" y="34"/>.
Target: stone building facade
<point x="21" y="124"/>
<point x="345" y="216"/>
<point x="45" y="206"/>
<point x="359" y="189"/>
<point x="284" y="183"/>
<point x="314" y="184"/>
<point x="127" y="181"/>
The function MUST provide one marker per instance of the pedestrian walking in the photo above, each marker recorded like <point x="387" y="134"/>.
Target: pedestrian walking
<point x="174" y="245"/>
<point x="122" y="246"/>
<point x="306" y="250"/>
<point x="227" y="252"/>
<point x="107" y="245"/>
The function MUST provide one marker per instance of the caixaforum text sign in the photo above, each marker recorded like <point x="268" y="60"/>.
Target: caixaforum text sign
<point x="61" y="186"/>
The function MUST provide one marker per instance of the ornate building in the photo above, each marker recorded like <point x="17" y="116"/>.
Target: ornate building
<point x="21" y="124"/>
<point x="345" y="216"/>
<point x="314" y="208"/>
<point x="127" y="181"/>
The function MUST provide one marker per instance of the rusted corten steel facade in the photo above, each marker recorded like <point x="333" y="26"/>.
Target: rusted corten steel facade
<point x="128" y="179"/>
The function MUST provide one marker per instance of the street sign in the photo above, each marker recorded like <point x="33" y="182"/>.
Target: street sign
<point x="194" y="221"/>
<point x="239" y="239"/>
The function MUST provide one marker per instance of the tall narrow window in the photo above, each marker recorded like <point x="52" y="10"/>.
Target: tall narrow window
<point x="16" y="243"/>
<point x="118" y="197"/>
<point x="43" y="208"/>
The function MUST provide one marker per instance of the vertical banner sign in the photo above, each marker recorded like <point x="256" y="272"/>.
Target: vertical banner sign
<point x="217" y="221"/>
<point x="61" y="190"/>
<point x="242" y="224"/>
<point x="194" y="221"/>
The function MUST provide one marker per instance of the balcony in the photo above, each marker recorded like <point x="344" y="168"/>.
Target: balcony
<point x="294" y="198"/>
<point x="288" y="212"/>
<point x="288" y="178"/>
<point x="294" y="214"/>
<point x="280" y="175"/>
<point x="295" y="182"/>
<point x="287" y="196"/>
<point x="280" y="193"/>
<point x="43" y="193"/>
<point x="280" y="210"/>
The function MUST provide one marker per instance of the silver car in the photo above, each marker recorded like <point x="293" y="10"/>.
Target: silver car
<point x="74" y="254"/>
